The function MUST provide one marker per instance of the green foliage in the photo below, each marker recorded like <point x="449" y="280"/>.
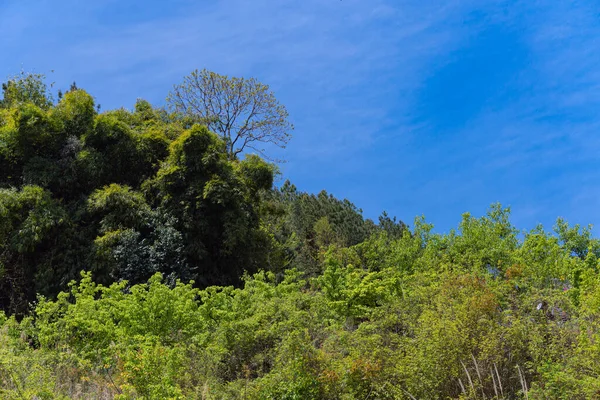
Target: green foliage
<point x="78" y="112"/>
<point x="26" y="88"/>
<point x="29" y="223"/>
<point x="314" y="302"/>
<point x="419" y="316"/>
<point x="119" y="206"/>
<point x="304" y="225"/>
<point x="139" y="192"/>
<point x="215" y="204"/>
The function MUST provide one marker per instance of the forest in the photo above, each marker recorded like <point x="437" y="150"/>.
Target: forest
<point x="159" y="253"/>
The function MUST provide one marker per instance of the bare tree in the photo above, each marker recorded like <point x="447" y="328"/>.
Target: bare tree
<point x="243" y="111"/>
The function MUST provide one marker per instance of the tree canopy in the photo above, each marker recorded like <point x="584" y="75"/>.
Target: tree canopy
<point x="140" y="258"/>
<point x="127" y="194"/>
<point x="244" y="112"/>
<point x="123" y="193"/>
<point x="479" y="313"/>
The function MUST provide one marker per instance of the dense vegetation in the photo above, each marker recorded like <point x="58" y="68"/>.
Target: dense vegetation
<point x="202" y="280"/>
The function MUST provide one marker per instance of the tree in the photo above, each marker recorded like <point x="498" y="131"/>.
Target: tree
<point x="26" y="88"/>
<point x="31" y="223"/>
<point x="244" y="112"/>
<point x="125" y="194"/>
<point x="215" y="202"/>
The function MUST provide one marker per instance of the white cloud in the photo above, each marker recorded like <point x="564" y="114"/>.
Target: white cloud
<point x="350" y="73"/>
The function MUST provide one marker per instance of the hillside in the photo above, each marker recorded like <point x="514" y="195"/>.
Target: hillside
<point x="140" y="258"/>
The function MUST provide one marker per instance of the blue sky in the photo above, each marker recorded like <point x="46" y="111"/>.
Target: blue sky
<point x="428" y="108"/>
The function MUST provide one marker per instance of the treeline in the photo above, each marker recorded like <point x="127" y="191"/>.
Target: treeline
<point x="204" y="281"/>
<point x="474" y="314"/>
<point x="127" y="194"/>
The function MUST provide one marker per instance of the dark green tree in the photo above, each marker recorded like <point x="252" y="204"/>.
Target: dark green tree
<point x="123" y="193"/>
<point x="215" y="203"/>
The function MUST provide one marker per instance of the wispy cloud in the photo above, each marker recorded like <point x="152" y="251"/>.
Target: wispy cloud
<point x="415" y="107"/>
<point x="335" y="64"/>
